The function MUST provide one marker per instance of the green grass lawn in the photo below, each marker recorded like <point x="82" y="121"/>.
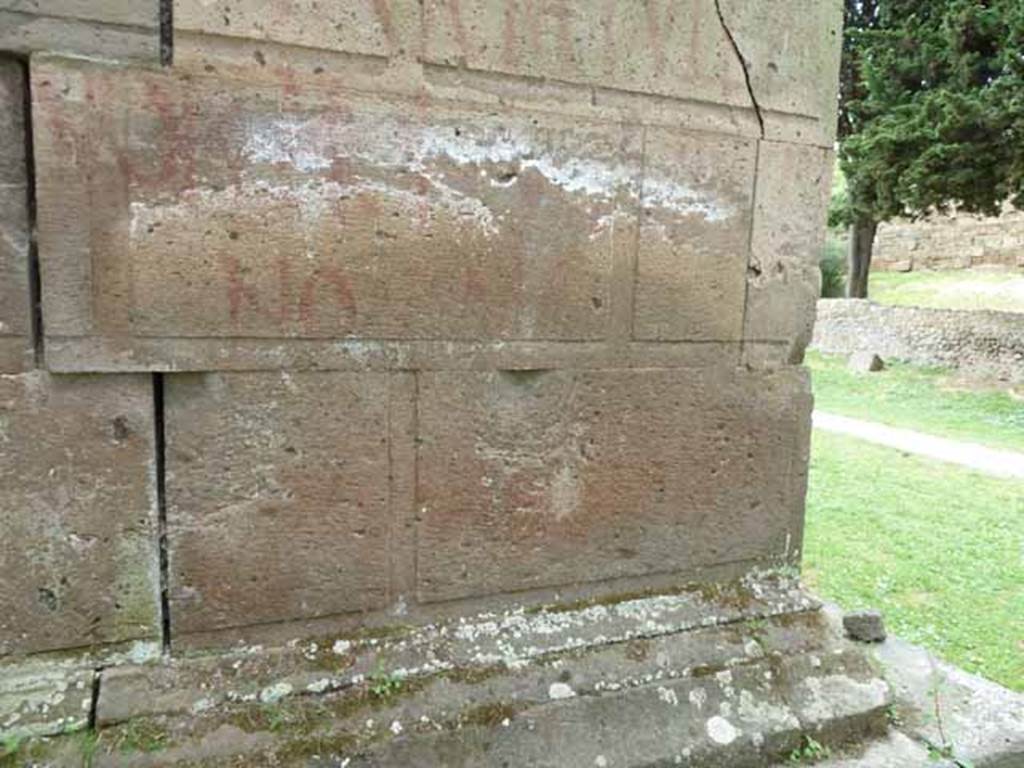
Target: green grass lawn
<point x="938" y="549"/>
<point x="954" y="289"/>
<point x="918" y="398"/>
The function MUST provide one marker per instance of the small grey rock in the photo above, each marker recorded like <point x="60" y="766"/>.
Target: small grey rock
<point x="864" y="626"/>
<point x="866" y="362"/>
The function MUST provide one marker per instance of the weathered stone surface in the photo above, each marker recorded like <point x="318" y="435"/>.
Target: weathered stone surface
<point x="660" y="47"/>
<point x="457" y="224"/>
<point x="115" y="29"/>
<point x="15" y="317"/>
<point x="43" y="698"/>
<point x="983" y="723"/>
<point x="865" y="626"/>
<point x="694" y="235"/>
<point x="277" y="496"/>
<point x="792" y="56"/>
<point x="783" y="280"/>
<point x="370" y="27"/>
<point x="536" y="478"/>
<point x="347" y="217"/>
<point x="139" y="13"/>
<point x="78" y="552"/>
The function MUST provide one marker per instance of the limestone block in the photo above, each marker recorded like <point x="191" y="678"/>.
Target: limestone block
<point x="15" y="317"/>
<point x="662" y="47"/>
<point x="791" y="49"/>
<point x="538" y="478"/>
<point x="793" y="184"/>
<point x="78" y="555"/>
<point x="277" y="496"/>
<point x="333" y="215"/>
<point x="369" y="27"/>
<point x="694" y="235"/>
<point x="115" y="29"/>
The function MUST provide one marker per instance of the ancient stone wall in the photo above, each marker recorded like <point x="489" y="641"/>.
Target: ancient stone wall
<point x="953" y="241"/>
<point x="987" y="345"/>
<point x="363" y="312"/>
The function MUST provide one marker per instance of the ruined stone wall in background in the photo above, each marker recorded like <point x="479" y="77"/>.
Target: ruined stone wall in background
<point x="953" y="241"/>
<point x="327" y="314"/>
<point x="980" y="344"/>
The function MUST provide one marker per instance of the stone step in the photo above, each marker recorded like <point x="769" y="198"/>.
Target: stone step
<point x="732" y="676"/>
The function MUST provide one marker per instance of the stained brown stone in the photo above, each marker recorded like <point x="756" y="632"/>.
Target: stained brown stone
<point x="536" y="478"/>
<point x="78" y="551"/>
<point x="277" y="496"/>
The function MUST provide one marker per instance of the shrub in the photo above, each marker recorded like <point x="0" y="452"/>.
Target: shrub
<point x="833" y="267"/>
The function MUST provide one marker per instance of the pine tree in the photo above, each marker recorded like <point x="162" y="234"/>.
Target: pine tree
<point x="931" y="113"/>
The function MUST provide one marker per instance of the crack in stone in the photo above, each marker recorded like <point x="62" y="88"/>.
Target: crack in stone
<point x="743" y="66"/>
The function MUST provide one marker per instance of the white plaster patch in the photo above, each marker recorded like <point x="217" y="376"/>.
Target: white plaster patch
<point x="721" y="731"/>
<point x="311" y="145"/>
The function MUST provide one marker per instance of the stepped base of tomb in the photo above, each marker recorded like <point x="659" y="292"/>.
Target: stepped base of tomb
<point x="733" y="674"/>
<point x="746" y="673"/>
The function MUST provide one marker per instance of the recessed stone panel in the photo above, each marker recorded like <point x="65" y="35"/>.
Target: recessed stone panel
<point x="784" y="278"/>
<point x="78" y="554"/>
<point x="191" y="208"/>
<point x="694" y="237"/>
<point x="277" y="496"/>
<point x="535" y="479"/>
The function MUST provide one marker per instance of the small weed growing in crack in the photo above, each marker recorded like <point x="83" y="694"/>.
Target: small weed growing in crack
<point x="809" y="751"/>
<point x="141" y="736"/>
<point x="89" y="742"/>
<point x="384" y="684"/>
<point x="9" y="748"/>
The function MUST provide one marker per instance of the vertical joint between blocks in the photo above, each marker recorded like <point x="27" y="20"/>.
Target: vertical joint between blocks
<point x="159" y="444"/>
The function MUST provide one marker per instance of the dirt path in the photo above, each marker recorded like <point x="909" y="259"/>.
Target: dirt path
<point x="972" y="455"/>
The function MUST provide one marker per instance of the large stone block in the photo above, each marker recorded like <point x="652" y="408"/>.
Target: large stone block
<point x="661" y="47"/>
<point x="784" y="279"/>
<point x="116" y="29"/>
<point x="78" y="555"/>
<point x="791" y="52"/>
<point x="340" y="216"/>
<point x="15" y="312"/>
<point x="694" y="237"/>
<point x="543" y="478"/>
<point x="277" y="496"/>
<point x="369" y="27"/>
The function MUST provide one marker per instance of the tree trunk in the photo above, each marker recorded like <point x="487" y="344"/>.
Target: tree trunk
<point x="862" y="242"/>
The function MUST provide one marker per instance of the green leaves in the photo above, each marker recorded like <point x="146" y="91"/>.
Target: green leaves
<point x="932" y="107"/>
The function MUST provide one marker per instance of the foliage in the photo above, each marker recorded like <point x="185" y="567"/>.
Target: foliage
<point x="931" y="106"/>
<point x="833" y="268"/>
<point x="925" y="399"/>
<point x="809" y="751"/>
<point x="933" y="546"/>
<point x="384" y="684"/>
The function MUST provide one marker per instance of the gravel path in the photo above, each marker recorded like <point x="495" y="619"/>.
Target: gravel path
<point x="972" y="455"/>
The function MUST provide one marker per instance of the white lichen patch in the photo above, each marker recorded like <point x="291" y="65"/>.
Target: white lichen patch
<point x="276" y="692"/>
<point x="721" y="731"/>
<point x="560" y="691"/>
<point x="668" y="696"/>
